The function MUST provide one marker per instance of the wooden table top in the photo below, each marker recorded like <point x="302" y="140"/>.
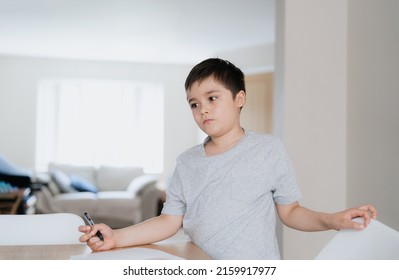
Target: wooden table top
<point x="183" y="249"/>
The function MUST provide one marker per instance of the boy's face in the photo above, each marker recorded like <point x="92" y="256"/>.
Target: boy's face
<point x="214" y="109"/>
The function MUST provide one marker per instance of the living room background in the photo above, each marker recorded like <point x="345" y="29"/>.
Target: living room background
<point x="18" y="106"/>
<point x="336" y="68"/>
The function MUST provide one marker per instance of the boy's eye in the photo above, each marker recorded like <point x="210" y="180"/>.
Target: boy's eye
<point x="212" y="98"/>
<point x="193" y="105"/>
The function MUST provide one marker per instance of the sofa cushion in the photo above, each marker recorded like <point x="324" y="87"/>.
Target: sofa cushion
<point x="77" y="203"/>
<point x="110" y="178"/>
<point x="62" y="180"/>
<point x="81" y="184"/>
<point x="87" y="172"/>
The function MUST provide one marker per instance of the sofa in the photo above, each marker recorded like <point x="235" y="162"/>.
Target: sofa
<point x="117" y="196"/>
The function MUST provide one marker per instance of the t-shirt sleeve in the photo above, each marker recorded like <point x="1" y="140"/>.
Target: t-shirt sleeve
<point x="175" y="203"/>
<point x="286" y="189"/>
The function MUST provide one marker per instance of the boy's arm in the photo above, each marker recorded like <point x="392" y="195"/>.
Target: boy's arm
<point x="301" y="218"/>
<point x="149" y="231"/>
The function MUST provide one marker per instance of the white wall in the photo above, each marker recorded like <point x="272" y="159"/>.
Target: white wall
<point x="313" y="76"/>
<point x="373" y="106"/>
<point x="337" y="92"/>
<point x="257" y="59"/>
<point x="19" y="78"/>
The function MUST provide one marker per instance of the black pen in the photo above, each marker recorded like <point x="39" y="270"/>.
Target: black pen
<point x="91" y="223"/>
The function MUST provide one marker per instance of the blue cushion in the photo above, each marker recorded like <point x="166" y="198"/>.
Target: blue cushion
<point x="82" y="185"/>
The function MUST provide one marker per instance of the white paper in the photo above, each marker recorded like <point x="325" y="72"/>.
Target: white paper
<point x="376" y="242"/>
<point x="128" y="254"/>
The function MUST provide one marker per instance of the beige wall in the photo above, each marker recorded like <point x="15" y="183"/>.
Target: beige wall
<point x="313" y="77"/>
<point x="337" y="93"/>
<point x="373" y="106"/>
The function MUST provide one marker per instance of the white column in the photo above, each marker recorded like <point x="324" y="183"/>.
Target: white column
<point x="311" y="89"/>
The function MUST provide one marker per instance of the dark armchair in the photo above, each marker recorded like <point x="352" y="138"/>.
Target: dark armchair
<point x="19" y="181"/>
<point x="15" y="176"/>
<point x="15" y="195"/>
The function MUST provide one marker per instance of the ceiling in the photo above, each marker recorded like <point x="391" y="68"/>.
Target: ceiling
<point x="151" y="31"/>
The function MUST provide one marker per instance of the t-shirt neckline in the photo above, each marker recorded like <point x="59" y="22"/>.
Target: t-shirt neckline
<point x="208" y="138"/>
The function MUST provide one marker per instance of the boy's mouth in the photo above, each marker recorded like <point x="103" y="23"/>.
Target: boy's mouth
<point x="207" y="121"/>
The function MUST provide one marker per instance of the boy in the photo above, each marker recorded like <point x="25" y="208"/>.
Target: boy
<point x="226" y="191"/>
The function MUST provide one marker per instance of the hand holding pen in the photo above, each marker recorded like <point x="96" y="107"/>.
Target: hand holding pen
<point x="89" y="220"/>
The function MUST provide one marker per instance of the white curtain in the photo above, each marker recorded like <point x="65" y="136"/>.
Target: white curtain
<point x="96" y="122"/>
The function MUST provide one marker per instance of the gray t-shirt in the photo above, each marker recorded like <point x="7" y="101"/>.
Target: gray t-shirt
<point x="227" y="200"/>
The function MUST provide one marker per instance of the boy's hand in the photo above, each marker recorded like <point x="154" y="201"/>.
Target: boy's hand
<point x="343" y="220"/>
<point x="92" y="239"/>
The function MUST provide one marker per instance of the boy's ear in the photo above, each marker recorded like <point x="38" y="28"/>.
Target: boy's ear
<point x="241" y="98"/>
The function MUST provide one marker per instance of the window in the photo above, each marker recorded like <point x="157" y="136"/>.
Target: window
<point x="97" y="122"/>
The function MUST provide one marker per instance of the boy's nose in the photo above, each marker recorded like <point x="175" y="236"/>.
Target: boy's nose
<point x="204" y="111"/>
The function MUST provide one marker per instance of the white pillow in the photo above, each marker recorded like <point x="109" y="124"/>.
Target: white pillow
<point x="62" y="180"/>
<point x="85" y="171"/>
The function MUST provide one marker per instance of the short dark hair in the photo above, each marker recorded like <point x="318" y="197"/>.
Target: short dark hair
<point x="222" y="71"/>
